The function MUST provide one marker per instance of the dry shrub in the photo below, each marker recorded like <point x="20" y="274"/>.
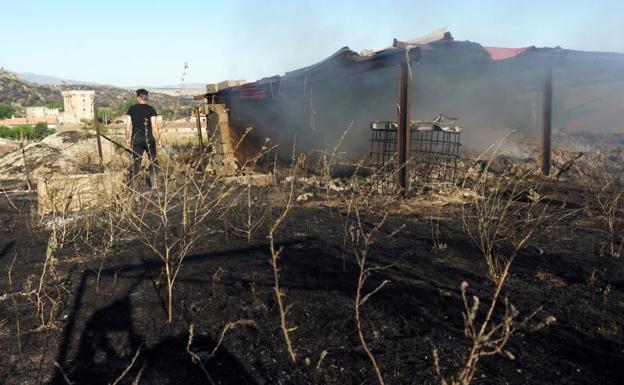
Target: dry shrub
<point x="348" y="187"/>
<point x="196" y="359"/>
<point x="280" y="295"/>
<point x="171" y="219"/>
<point x="18" y="332"/>
<point x="63" y="231"/>
<point x="487" y="335"/>
<point x="603" y="184"/>
<point x="63" y="208"/>
<point x="497" y="224"/>
<point x="362" y="241"/>
<point x="101" y="231"/>
<point x="248" y="211"/>
<point x="437" y="245"/>
<point x="250" y="208"/>
<point x="48" y="291"/>
<point x="504" y="213"/>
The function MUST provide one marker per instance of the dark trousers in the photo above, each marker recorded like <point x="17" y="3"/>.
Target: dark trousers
<point x="138" y="148"/>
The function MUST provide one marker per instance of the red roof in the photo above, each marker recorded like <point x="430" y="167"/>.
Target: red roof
<point x="23" y="121"/>
<point x="502" y="53"/>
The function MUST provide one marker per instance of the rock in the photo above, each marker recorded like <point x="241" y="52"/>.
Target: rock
<point x="7" y="146"/>
<point x="68" y="152"/>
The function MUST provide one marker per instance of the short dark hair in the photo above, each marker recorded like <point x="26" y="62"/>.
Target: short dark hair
<point x="142" y="93"/>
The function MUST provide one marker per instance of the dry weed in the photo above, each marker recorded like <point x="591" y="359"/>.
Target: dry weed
<point x="170" y="219"/>
<point x="603" y="183"/>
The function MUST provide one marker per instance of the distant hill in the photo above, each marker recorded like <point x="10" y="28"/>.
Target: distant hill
<point x="187" y="89"/>
<point x="48" y="80"/>
<point x="186" y="86"/>
<point x="16" y="91"/>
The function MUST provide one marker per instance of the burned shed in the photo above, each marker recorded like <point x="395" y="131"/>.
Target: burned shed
<point x="491" y="90"/>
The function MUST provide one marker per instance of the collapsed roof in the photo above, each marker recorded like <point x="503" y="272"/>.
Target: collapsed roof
<point x="345" y="62"/>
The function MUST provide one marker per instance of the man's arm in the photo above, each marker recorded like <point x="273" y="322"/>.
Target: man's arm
<point x="156" y="130"/>
<point x="128" y="129"/>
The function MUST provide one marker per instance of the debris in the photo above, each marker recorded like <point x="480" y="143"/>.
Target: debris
<point x="68" y="152"/>
<point x="254" y="180"/>
<point x="65" y="193"/>
<point x="304" y="197"/>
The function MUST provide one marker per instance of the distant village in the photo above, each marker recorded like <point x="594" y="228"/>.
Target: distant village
<point x="78" y="105"/>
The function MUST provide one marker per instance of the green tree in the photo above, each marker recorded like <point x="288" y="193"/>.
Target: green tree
<point x="106" y="115"/>
<point x="6" y="111"/>
<point x="90" y="125"/>
<point x="16" y="133"/>
<point x="123" y="106"/>
<point x="40" y="131"/>
<point x="58" y="105"/>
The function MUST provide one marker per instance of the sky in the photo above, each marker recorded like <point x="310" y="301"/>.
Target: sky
<point x="137" y="42"/>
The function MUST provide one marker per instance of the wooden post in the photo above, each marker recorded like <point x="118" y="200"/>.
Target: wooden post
<point x="403" y="132"/>
<point x="199" y="132"/>
<point x="547" y="122"/>
<point x="96" y="126"/>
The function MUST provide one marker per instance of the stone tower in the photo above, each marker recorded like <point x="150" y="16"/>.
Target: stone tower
<point x="78" y="106"/>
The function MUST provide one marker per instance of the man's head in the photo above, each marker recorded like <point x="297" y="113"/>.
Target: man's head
<point x="142" y="96"/>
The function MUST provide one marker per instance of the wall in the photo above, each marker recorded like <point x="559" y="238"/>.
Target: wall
<point x="40" y="112"/>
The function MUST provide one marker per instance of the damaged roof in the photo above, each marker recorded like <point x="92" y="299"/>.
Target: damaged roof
<point x="345" y="62"/>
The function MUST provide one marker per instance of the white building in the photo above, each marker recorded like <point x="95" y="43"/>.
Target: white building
<point x="78" y="106"/>
<point x="41" y="112"/>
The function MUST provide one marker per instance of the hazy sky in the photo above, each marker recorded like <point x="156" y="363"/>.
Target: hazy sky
<point x="147" y="42"/>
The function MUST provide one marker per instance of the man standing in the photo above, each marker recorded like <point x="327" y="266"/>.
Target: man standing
<point x="142" y="135"/>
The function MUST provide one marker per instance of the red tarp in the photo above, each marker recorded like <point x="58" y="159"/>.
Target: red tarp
<point x="252" y="91"/>
<point x="502" y="53"/>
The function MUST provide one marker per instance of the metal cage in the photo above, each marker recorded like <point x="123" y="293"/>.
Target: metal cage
<point x="383" y="143"/>
<point x="434" y="155"/>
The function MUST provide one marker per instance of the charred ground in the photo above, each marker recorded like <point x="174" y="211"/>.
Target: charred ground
<point x="101" y="330"/>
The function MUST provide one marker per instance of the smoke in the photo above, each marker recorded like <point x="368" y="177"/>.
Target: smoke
<point x="489" y="98"/>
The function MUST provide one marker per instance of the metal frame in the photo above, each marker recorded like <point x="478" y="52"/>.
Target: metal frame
<point x="434" y="155"/>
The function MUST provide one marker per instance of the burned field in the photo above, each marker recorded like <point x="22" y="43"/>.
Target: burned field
<point x="371" y="286"/>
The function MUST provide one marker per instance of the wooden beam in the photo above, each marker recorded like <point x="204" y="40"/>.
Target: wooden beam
<point x="199" y="134"/>
<point x="403" y="132"/>
<point x="547" y="122"/>
<point x="96" y="126"/>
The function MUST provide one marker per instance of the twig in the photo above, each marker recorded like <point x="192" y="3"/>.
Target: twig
<point x="195" y="358"/>
<point x="361" y="254"/>
<point x="16" y="310"/>
<point x="229" y="326"/>
<point x="279" y="293"/>
<point x="65" y="378"/>
<point x="121" y="376"/>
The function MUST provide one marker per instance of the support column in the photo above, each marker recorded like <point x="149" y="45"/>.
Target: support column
<point x="547" y="122"/>
<point x="199" y="132"/>
<point x="403" y="132"/>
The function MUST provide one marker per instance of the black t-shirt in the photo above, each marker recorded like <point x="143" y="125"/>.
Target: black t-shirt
<point x="141" y="115"/>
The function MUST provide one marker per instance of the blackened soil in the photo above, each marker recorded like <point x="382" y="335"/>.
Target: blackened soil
<point x="100" y="329"/>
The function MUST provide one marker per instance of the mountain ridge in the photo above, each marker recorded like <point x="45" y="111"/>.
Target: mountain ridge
<point x="19" y="92"/>
<point x="48" y="80"/>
